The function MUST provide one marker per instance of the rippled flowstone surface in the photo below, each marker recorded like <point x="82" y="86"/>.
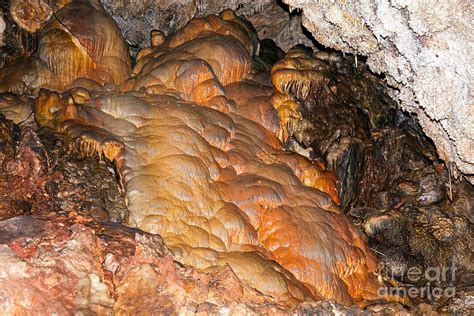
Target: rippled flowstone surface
<point x="422" y="47"/>
<point x="190" y="149"/>
<point x="192" y="135"/>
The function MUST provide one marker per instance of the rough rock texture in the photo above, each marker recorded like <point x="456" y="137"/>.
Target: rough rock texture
<point x="31" y="15"/>
<point x="108" y="268"/>
<point x="84" y="282"/>
<point x="275" y="23"/>
<point x="390" y="180"/>
<point x="3" y="27"/>
<point x="199" y="126"/>
<point x="40" y="174"/>
<point x="206" y="213"/>
<point x="199" y="167"/>
<point x="269" y="18"/>
<point x="167" y="16"/>
<point x="79" y="266"/>
<point x="423" y="48"/>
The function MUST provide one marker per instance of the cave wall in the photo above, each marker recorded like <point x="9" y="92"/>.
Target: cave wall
<point x="137" y="20"/>
<point x="424" y="49"/>
<point x="268" y="17"/>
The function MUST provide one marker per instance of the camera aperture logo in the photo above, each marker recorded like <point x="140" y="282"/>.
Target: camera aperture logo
<point x="434" y="277"/>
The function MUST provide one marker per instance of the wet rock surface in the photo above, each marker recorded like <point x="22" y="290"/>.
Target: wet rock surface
<point x="391" y="183"/>
<point x="425" y="45"/>
<point x="62" y="201"/>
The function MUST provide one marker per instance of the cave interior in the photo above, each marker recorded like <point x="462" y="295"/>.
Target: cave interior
<point x="219" y="157"/>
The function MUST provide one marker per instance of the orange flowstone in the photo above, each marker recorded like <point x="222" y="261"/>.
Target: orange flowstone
<point x="199" y="158"/>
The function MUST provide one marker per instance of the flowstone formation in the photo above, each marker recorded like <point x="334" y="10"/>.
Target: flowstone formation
<point x="390" y="181"/>
<point x="423" y="48"/>
<point x="80" y="40"/>
<point x="109" y="269"/>
<point x="232" y="164"/>
<point x="213" y="183"/>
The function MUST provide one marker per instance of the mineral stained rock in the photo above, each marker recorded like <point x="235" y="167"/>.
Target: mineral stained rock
<point x="76" y="265"/>
<point x="227" y="193"/>
<point x="79" y="40"/>
<point x="208" y="216"/>
<point x="416" y="44"/>
<point x="40" y="174"/>
<point x="390" y="179"/>
<point x="423" y="48"/>
<point x="31" y="15"/>
<point x="108" y="269"/>
<point x="192" y="136"/>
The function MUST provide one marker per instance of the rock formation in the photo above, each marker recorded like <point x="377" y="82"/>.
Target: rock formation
<point x="425" y="45"/>
<point x="108" y="268"/>
<point x="390" y="179"/>
<point x="233" y="161"/>
<point x="423" y="49"/>
<point x="79" y="40"/>
<point x="214" y="184"/>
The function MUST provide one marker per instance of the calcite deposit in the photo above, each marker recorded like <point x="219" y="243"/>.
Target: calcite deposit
<point x="80" y="41"/>
<point x="75" y="265"/>
<point x="390" y="179"/>
<point x="423" y="48"/>
<point x="250" y="180"/>
<point x="213" y="183"/>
